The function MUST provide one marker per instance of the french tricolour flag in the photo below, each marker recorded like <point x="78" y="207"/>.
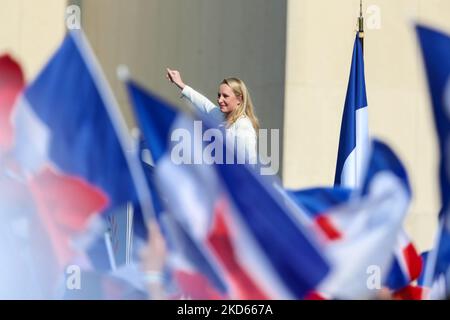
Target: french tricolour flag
<point x="320" y="203"/>
<point x="407" y="265"/>
<point x="322" y="206"/>
<point x="366" y="226"/>
<point x="243" y="225"/>
<point x="354" y="137"/>
<point x="70" y="142"/>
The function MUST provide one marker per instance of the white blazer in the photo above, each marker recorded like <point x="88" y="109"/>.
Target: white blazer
<point x="242" y="131"/>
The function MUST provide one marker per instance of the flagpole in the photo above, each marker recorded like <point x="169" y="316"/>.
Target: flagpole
<point x="361" y="25"/>
<point x="361" y="38"/>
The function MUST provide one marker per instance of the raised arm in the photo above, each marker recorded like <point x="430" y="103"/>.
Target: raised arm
<point x="202" y="103"/>
<point x="175" y="77"/>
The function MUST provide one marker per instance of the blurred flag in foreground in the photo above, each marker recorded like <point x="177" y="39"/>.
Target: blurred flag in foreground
<point x="407" y="265"/>
<point x="435" y="47"/>
<point x="70" y="142"/>
<point x="238" y="218"/>
<point x="321" y="205"/>
<point x="366" y="229"/>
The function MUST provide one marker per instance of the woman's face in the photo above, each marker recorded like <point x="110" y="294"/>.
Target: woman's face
<point x="227" y="100"/>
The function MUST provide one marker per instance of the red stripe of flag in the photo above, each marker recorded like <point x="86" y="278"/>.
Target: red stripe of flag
<point x="327" y="227"/>
<point x="12" y="83"/>
<point x="219" y="239"/>
<point x="195" y="286"/>
<point x="413" y="261"/>
<point x="65" y="204"/>
<point x="409" y="293"/>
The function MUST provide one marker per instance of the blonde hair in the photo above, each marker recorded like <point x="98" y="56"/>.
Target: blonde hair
<point x="246" y="108"/>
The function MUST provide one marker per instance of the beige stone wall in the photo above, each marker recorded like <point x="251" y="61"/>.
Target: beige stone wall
<point x="31" y="30"/>
<point x="319" y="47"/>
